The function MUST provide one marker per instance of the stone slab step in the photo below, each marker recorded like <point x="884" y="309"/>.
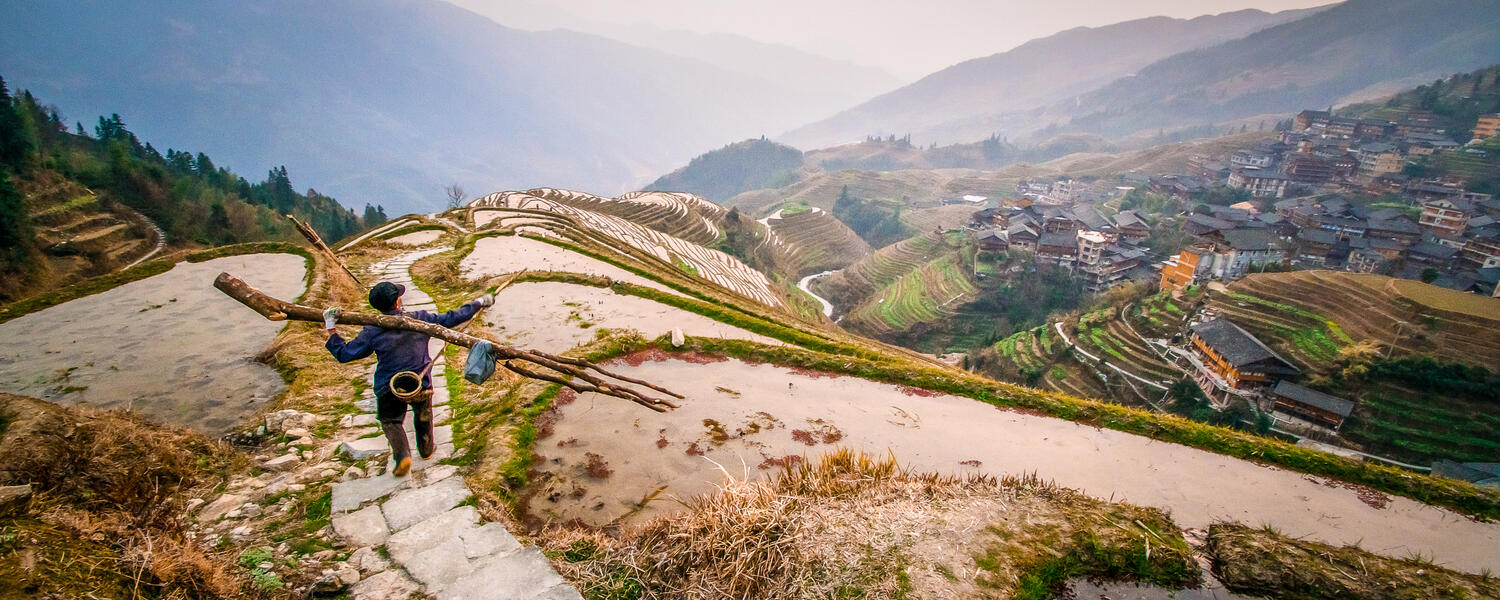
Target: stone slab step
<point x="364" y="527"/>
<point x="428" y="534"/>
<point x="409" y="507"/>
<point x="369" y="447"/>
<point x="385" y="585"/>
<point x="521" y="575"/>
<point x="364" y="420"/>
<point x="349" y="495"/>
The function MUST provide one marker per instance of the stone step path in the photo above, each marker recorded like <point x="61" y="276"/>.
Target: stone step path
<point x="433" y="538"/>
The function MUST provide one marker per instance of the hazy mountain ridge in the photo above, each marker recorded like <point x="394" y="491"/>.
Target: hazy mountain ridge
<point x="823" y="85"/>
<point x="966" y="102"/>
<point x="385" y="101"/>
<point x="1311" y="62"/>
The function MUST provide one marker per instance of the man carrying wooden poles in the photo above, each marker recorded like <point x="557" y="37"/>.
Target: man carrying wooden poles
<point x="399" y="353"/>
<point x="394" y="325"/>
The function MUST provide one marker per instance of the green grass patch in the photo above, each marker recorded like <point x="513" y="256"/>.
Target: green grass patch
<point x="792" y="208"/>
<point x="75" y="203"/>
<point x="517" y="470"/>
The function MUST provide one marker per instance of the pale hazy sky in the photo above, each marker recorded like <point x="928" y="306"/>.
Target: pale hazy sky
<point x="909" y="38"/>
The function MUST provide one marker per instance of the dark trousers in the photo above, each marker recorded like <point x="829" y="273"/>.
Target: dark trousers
<point x="391" y="411"/>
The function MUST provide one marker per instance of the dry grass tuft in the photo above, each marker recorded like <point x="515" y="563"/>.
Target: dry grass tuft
<point x="844" y="525"/>
<point x="849" y="525"/>
<point x="116" y="484"/>
<point x="1260" y="561"/>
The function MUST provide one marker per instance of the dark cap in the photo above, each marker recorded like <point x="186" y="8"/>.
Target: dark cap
<point x="383" y="296"/>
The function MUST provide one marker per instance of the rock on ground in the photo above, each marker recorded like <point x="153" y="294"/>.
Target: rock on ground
<point x="364" y="527"/>
<point x="387" y="585"/>
<point x="414" y="506"/>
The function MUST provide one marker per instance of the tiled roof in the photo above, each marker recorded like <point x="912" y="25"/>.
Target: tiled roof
<point x="1240" y="348"/>
<point x="1249" y="239"/>
<point x="1314" y="398"/>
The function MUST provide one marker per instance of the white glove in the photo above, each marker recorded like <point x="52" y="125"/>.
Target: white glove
<point x="331" y="316"/>
<point x="486" y="300"/>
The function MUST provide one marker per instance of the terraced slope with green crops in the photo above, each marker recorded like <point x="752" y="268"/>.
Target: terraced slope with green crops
<point x="1311" y="315"/>
<point x="1326" y="321"/>
<point x="1118" y="354"/>
<point x="82" y="234"/>
<point x="852" y="285"/>
<point x="923" y="295"/>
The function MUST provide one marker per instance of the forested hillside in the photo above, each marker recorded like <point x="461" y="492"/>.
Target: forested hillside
<point x="738" y="167"/>
<point x="72" y="202"/>
<point x="1456" y="102"/>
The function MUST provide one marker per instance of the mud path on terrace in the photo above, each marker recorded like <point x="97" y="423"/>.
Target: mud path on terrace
<point x="557" y="317"/>
<point x="511" y="253"/>
<point x="170" y="347"/>
<point x="604" y="456"/>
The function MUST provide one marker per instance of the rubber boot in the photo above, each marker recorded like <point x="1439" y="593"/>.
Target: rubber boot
<point x="422" y="420"/>
<point x="400" y="448"/>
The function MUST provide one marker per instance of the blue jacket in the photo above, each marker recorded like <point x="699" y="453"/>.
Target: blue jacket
<point x="397" y="350"/>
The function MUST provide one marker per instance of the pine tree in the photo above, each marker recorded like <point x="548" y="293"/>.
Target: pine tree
<point x="16" y="251"/>
<point x="14" y="144"/>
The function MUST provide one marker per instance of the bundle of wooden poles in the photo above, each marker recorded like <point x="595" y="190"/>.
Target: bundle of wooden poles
<point x="577" y="374"/>
<point x="580" y="375"/>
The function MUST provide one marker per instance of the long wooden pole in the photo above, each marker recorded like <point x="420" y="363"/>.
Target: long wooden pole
<point x="577" y="373"/>
<point x="317" y="242"/>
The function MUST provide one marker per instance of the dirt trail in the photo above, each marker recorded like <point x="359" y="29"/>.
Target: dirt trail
<point x="416" y="238"/>
<point x="746" y="417"/>
<point x="170" y="346"/>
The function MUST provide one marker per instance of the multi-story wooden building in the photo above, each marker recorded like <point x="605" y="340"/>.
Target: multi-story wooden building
<point x="1234" y="363"/>
<point x="1187" y="268"/>
<point x="1260" y="183"/>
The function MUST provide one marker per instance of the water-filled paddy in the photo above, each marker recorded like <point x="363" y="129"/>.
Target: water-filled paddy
<point x="170" y="347"/>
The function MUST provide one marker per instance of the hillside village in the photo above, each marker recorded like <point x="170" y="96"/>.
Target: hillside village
<point x="1329" y="192"/>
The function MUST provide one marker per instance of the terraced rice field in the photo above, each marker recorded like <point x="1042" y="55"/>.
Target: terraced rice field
<point x="1311" y="314"/>
<point x="1418" y="426"/>
<point x="712" y="266"/>
<point x="857" y="282"/>
<point x="926" y="294"/>
<point x="813" y="240"/>
<point x="80" y="234"/>
<point x="1158" y="315"/>
<point x="679" y="215"/>
<point x="939" y="218"/>
<point x="1038" y="351"/>
<point x="169" y="347"/>
<point x="1123" y="348"/>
